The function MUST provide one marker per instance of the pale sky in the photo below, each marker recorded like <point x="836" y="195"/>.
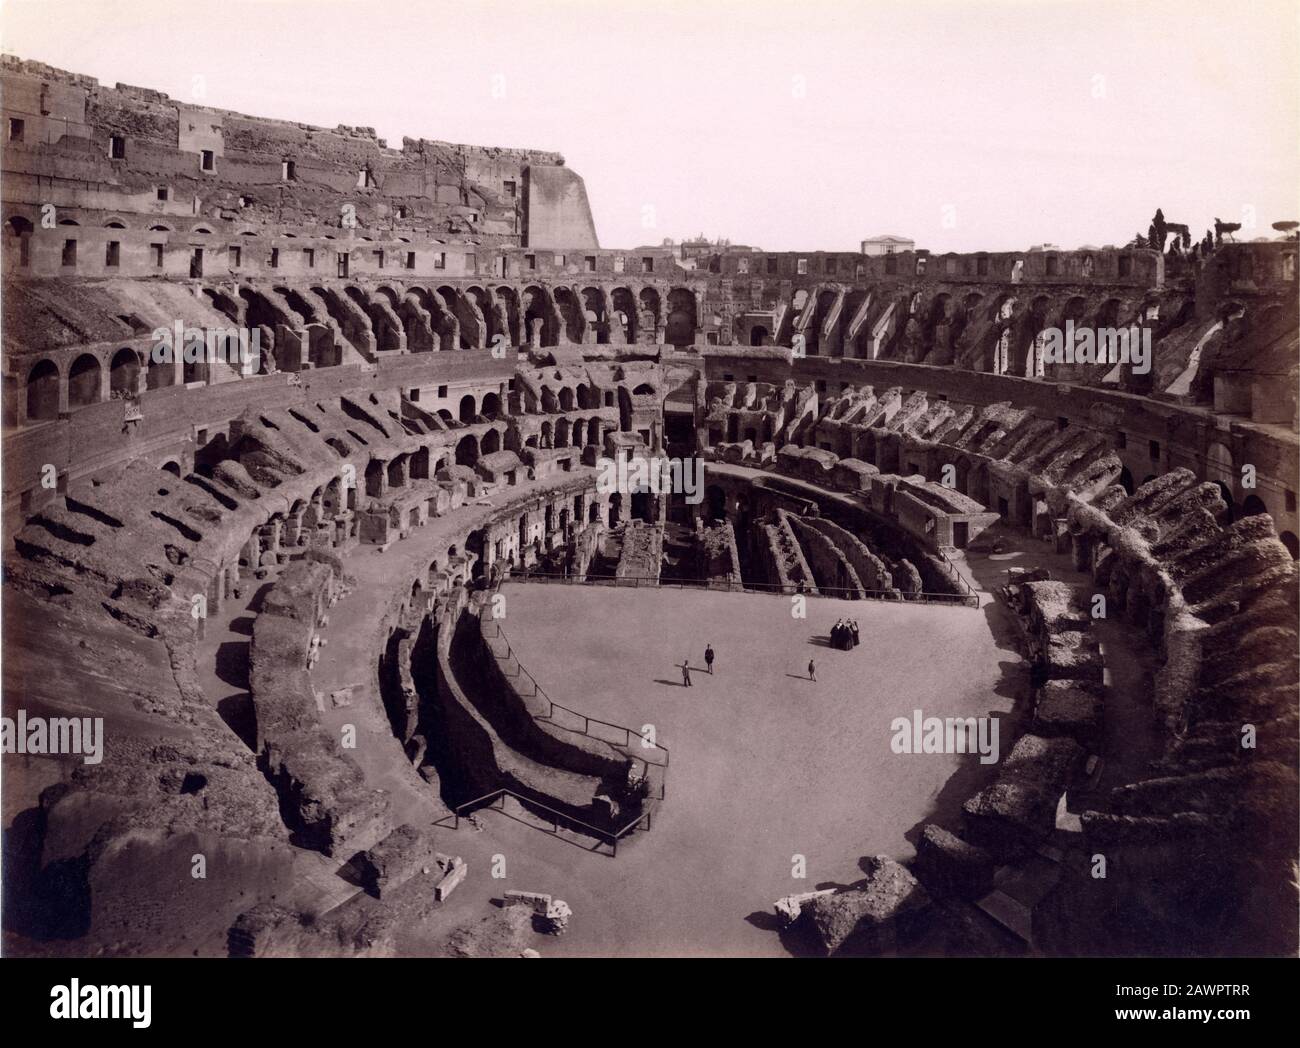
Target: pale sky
<point x="804" y="124"/>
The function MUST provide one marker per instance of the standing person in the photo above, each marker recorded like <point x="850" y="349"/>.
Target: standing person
<point x="708" y="658"/>
<point x="812" y="671"/>
<point x="853" y="628"/>
<point x="686" y="673"/>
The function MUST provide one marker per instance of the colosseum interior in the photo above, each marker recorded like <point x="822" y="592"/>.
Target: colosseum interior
<point x="362" y="619"/>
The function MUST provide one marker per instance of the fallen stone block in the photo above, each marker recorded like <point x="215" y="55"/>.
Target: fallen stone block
<point x="948" y="865"/>
<point x="1010" y="815"/>
<point x="555" y="921"/>
<point x="1071" y="708"/>
<point x="455" y="874"/>
<point x="789" y="908"/>
<point x="872" y="916"/>
<point x="395" y="860"/>
<point x="536" y="901"/>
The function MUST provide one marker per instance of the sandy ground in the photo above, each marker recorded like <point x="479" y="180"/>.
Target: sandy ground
<point x="766" y="765"/>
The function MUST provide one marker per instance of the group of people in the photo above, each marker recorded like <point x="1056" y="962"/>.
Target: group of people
<point x="686" y="665"/>
<point x="844" y="635"/>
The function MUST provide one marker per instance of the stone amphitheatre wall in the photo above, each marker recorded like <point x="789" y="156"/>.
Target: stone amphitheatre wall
<point x="445" y="370"/>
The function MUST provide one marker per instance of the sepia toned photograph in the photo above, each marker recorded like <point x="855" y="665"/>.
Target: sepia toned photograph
<point x="625" y="479"/>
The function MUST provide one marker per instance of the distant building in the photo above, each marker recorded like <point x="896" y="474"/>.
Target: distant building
<point x="887" y="245"/>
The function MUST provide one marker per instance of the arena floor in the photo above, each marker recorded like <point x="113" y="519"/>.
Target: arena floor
<point x="766" y="765"/>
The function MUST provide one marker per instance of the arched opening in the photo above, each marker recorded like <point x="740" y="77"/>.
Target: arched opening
<point x="467" y="451"/>
<point x="194" y="371"/>
<point x="21" y="229"/>
<point x="490" y="443"/>
<point x="467" y="409"/>
<point x="491" y="407"/>
<point x="571" y="313"/>
<point x="615" y="509"/>
<point x="717" y="502"/>
<point x="648" y="314"/>
<point x="124" y="372"/>
<point x="173" y="468"/>
<point x="1288" y="539"/>
<point x="1253" y="506"/>
<point x="396" y="471"/>
<point x="759" y="336"/>
<point x="43" y="391"/>
<point x="83" y="381"/>
<point x="593" y="303"/>
<point x="625" y="311"/>
<point x="681" y="324"/>
<point x="539" y="318"/>
<point x="1126" y="481"/>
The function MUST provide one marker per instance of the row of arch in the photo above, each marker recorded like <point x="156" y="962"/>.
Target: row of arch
<point x="423" y="318"/>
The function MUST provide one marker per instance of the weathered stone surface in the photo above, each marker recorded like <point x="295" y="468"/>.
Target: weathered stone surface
<point x="1072" y="708"/>
<point x="455" y="873"/>
<point x="872" y="915"/>
<point x="395" y="860"/>
<point x="1019" y="809"/>
<point x="948" y="865"/>
<point x="790" y="907"/>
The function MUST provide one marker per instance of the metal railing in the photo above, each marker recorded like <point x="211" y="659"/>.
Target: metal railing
<point x="968" y="599"/>
<point x="627" y="734"/>
<point x="558" y="819"/>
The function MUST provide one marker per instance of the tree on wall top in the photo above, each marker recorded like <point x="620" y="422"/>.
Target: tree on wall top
<point x="1159" y="231"/>
<point x="1220" y="228"/>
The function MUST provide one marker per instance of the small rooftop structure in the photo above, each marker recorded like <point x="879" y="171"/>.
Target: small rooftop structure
<point x="887" y="244"/>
